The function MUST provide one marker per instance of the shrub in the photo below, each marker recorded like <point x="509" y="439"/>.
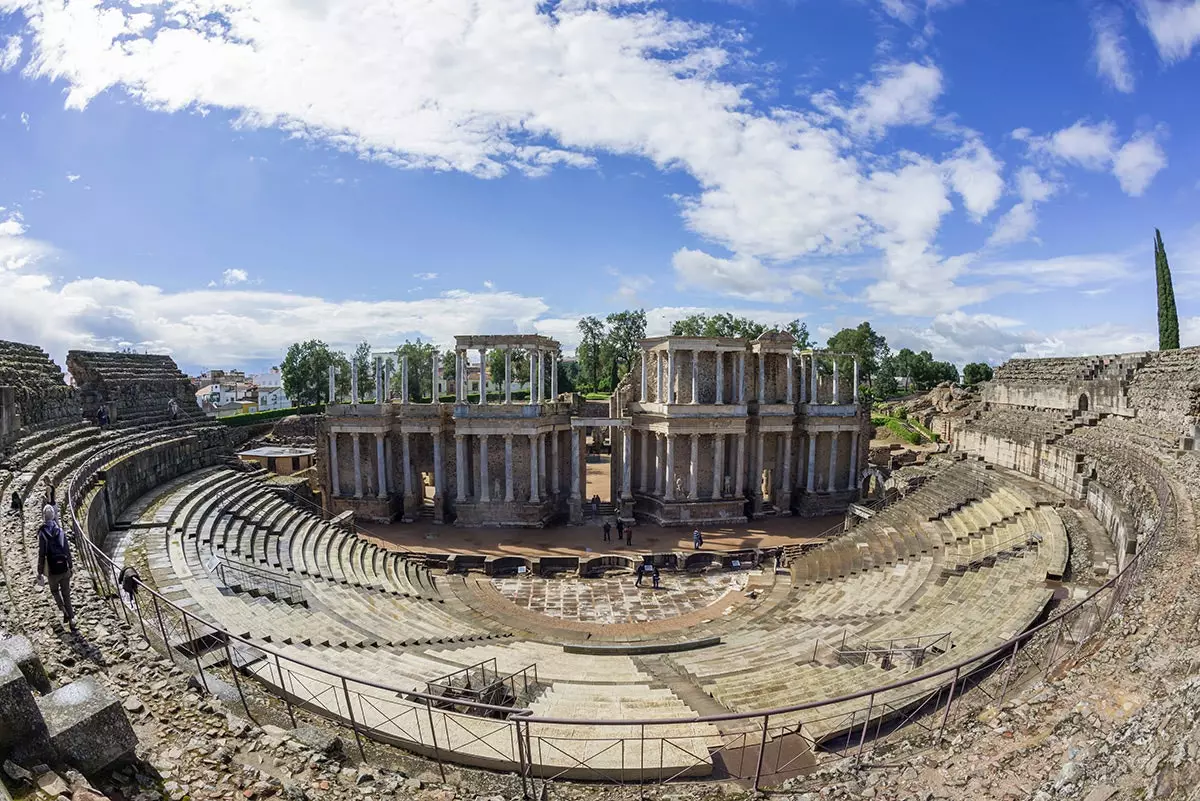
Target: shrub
<point x="255" y="418"/>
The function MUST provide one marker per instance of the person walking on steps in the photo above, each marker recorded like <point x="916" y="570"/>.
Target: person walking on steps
<point x="641" y="571"/>
<point x="657" y="577"/>
<point x="102" y="417"/>
<point x="173" y="408"/>
<point x="697" y="540"/>
<point x="54" y="562"/>
<point x="48" y="493"/>
<point x="607" y="532"/>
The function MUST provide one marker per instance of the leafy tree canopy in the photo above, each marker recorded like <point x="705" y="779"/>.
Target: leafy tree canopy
<point x="305" y="371"/>
<point x="420" y="369"/>
<point x="976" y="372"/>
<point x="870" y="347"/>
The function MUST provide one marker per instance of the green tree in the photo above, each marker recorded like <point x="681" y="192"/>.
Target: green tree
<point x="305" y="371"/>
<point x="1168" y="317"/>
<point x="449" y="370"/>
<point x="626" y="330"/>
<point x="725" y="324"/>
<point x="884" y="384"/>
<point x="591" y="341"/>
<point x="976" y="372"/>
<point x="799" y="331"/>
<point x="863" y="342"/>
<point x="364" y="365"/>
<point x="420" y="369"/>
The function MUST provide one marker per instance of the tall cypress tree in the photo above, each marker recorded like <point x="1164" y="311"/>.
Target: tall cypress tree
<point x="1168" y="318"/>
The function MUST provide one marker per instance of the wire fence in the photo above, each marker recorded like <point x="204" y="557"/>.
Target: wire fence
<point x="762" y="747"/>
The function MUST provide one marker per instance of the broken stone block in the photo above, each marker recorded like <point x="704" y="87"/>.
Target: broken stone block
<point x="20" y="650"/>
<point x="318" y="739"/>
<point x="18" y="709"/>
<point x="87" y="726"/>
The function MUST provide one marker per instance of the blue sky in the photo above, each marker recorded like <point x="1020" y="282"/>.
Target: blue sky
<point x="981" y="178"/>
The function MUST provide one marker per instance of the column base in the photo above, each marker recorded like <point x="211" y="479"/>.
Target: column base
<point x="575" y="511"/>
<point x="439" y="509"/>
<point x="411" y="510"/>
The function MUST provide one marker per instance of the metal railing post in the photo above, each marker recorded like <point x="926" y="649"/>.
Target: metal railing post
<point x="163" y="629"/>
<point x="949" y="701"/>
<point x="141" y="618"/>
<point x="1012" y="666"/>
<point x="866" y="722"/>
<point x="437" y="752"/>
<point x="353" y="722"/>
<point x="233" y="671"/>
<point x="522" y="759"/>
<point x="762" y="750"/>
<point x="286" y="699"/>
<point x="196" y="654"/>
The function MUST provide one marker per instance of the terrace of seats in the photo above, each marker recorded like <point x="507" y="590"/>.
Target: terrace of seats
<point x="1041" y="371"/>
<point x="43" y="397"/>
<point x="139" y="385"/>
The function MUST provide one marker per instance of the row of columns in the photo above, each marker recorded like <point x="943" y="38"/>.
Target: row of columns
<point x="537" y="375"/>
<point x="669" y="396"/>
<point x="539" y="460"/>
<point x="382" y="457"/>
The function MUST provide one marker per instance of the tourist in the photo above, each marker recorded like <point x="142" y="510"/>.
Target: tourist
<point x="697" y="540"/>
<point x="48" y="493"/>
<point x="595" y="506"/>
<point x="54" y="562"/>
<point x="620" y="529"/>
<point x="18" y="508"/>
<point x="637" y="582"/>
<point x="657" y="577"/>
<point x="102" y="416"/>
<point x="172" y="408"/>
<point x="629" y="536"/>
<point x="607" y="532"/>
<point x="778" y="558"/>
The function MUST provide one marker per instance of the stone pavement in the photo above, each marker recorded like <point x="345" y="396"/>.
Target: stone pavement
<point x="616" y="600"/>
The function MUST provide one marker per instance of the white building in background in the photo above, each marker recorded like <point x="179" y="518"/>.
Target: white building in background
<point x="270" y="391"/>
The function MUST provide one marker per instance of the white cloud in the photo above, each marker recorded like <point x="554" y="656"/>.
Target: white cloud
<point x="1095" y="147"/>
<point x="425" y="276"/>
<point x="25" y="119"/>
<point x="10" y="53"/>
<point x="741" y="277"/>
<point x="1063" y="271"/>
<point x="1018" y="223"/>
<point x="1137" y="162"/>
<point x="72" y="177"/>
<point x="234" y="276"/>
<point x="1174" y="25"/>
<point x="630" y="288"/>
<point x="489" y="285"/>
<point x="901" y="94"/>
<point x="1110" y="51"/>
<point x="975" y="174"/>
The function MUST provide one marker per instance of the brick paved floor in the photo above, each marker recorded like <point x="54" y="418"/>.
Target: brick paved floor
<point x="616" y="600"/>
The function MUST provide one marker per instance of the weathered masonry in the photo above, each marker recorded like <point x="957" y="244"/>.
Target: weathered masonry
<point x="703" y="430"/>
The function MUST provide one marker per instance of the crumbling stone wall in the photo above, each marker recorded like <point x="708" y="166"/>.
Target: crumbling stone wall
<point x="34" y="392"/>
<point x="134" y="386"/>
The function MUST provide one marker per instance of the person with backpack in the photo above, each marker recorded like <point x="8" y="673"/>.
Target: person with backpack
<point x="607" y="531"/>
<point x="54" y="562"/>
<point x="697" y="540"/>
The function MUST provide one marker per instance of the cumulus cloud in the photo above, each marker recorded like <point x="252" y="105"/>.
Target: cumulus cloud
<point x="1174" y="25"/>
<point x="72" y="177"/>
<point x="10" y="53"/>
<point x="975" y="174"/>
<point x="1095" y="147"/>
<point x="1018" y="223"/>
<point x="900" y="94"/>
<point x="741" y="277"/>
<point x="1110" y="50"/>
<point x="425" y="276"/>
<point x="234" y="276"/>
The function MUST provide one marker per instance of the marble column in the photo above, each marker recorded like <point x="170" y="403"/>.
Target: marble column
<point x="508" y="375"/>
<point x="833" y="442"/>
<point x="720" y="378"/>
<point x="483" y="377"/>
<point x="575" y="466"/>
<point x="485" y="490"/>
<point x="542" y="471"/>
<point x="332" y="384"/>
<point x="554" y="378"/>
<point x="354" y="382"/>
<point x="335" y="484"/>
<point x="803" y="379"/>
<point x="439" y="468"/>
<point x="854" y="395"/>
<point x="669" y="469"/>
<point x="695" y="376"/>
<point x="852" y="481"/>
<point x="379" y="379"/>
<point x="741" y="468"/>
<point x="460" y="466"/>
<point x="381" y="466"/>
<point x="718" y="478"/>
<point x="810" y="482"/>
<point x="626" y="462"/>
<point x="791" y="366"/>
<point x="389" y="472"/>
<point x="815" y="373"/>
<point x="406" y="454"/>
<point x="554" y="488"/>
<point x="534" y="494"/>
<point x="660" y="463"/>
<point x="460" y="369"/>
<point x="741" y="377"/>
<point x="758" y="463"/>
<point x="670" y="376"/>
<point x="658" y="372"/>
<point x="532" y="377"/>
<point x="435" y="377"/>
<point x="694" y="471"/>
<point x="836" y="399"/>
<point x="508" y="468"/>
<point x="645" y="376"/>
<point x="354" y="439"/>
<point x="644" y="482"/>
<point x="786" y="484"/>
<point x="762" y="378"/>
<point x="404" y="379"/>
<point x="541" y="382"/>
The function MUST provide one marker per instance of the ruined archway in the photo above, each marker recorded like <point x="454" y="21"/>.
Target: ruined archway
<point x="1083" y="402"/>
<point x="872" y="484"/>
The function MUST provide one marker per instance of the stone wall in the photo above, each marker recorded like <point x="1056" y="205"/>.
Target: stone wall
<point x="1165" y="392"/>
<point x="135" y="387"/>
<point x="37" y="395"/>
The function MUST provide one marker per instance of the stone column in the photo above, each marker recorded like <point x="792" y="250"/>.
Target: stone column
<point x="741" y="377"/>
<point x="670" y="376"/>
<point x="483" y="376"/>
<point x="575" y="467"/>
<point x="542" y="471"/>
<point x="435" y="378"/>
<point x="627" y="462"/>
<point x="786" y="485"/>
<point x="508" y="376"/>
<point x="644" y="479"/>
<point x="541" y="383"/>
<point x="810" y="483"/>
<point x="720" y="378"/>
<point x="658" y="382"/>
<point x="695" y="376"/>
<point x="762" y="378"/>
<point x="739" y="481"/>
<point x="833" y="441"/>
<point x="404" y="379"/>
<point x="335" y="484"/>
<point x="554" y="380"/>
<point x="381" y="466"/>
<point x="660" y="463"/>
<point x="379" y="379"/>
<point x="534" y="494"/>
<point x="460" y="466"/>
<point x="332" y="384"/>
<point x="694" y="470"/>
<point x="532" y="376"/>
<point x="835" y="380"/>
<point x="645" y="372"/>
<point x="439" y="470"/>
<point x="406" y="454"/>
<point x="508" y="465"/>
<point x="669" y="469"/>
<point x="791" y="366"/>
<point x="854" y="396"/>
<point x="803" y="379"/>
<point x="485" y="491"/>
<point x="852" y="481"/>
<point x="354" y="438"/>
<point x="554" y="487"/>
<point x="353" y="383"/>
<point x="815" y="373"/>
<point x="758" y="463"/>
<point x="718" y="481"/>
<point x="389" y="473"/>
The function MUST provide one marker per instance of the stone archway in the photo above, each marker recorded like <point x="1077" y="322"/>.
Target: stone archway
<point x="872" y="484"/>
<point x="1083" y="402"/>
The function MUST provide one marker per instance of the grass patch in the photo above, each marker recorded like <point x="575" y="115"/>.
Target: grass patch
<point x="265" y="417"/>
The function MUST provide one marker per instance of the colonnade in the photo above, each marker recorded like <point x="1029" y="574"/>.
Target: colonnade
<point x="543" y="467"/>
<point x="537" y="374"/>
<point x="383" y="477"/>
<point x="664" y="376"/>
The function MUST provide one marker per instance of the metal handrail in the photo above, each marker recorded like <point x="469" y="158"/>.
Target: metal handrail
<point x="292" y="591"/>
<point x="357" y="529"/>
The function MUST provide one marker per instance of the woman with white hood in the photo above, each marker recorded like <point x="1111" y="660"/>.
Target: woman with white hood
<point x="54" y="562"/>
